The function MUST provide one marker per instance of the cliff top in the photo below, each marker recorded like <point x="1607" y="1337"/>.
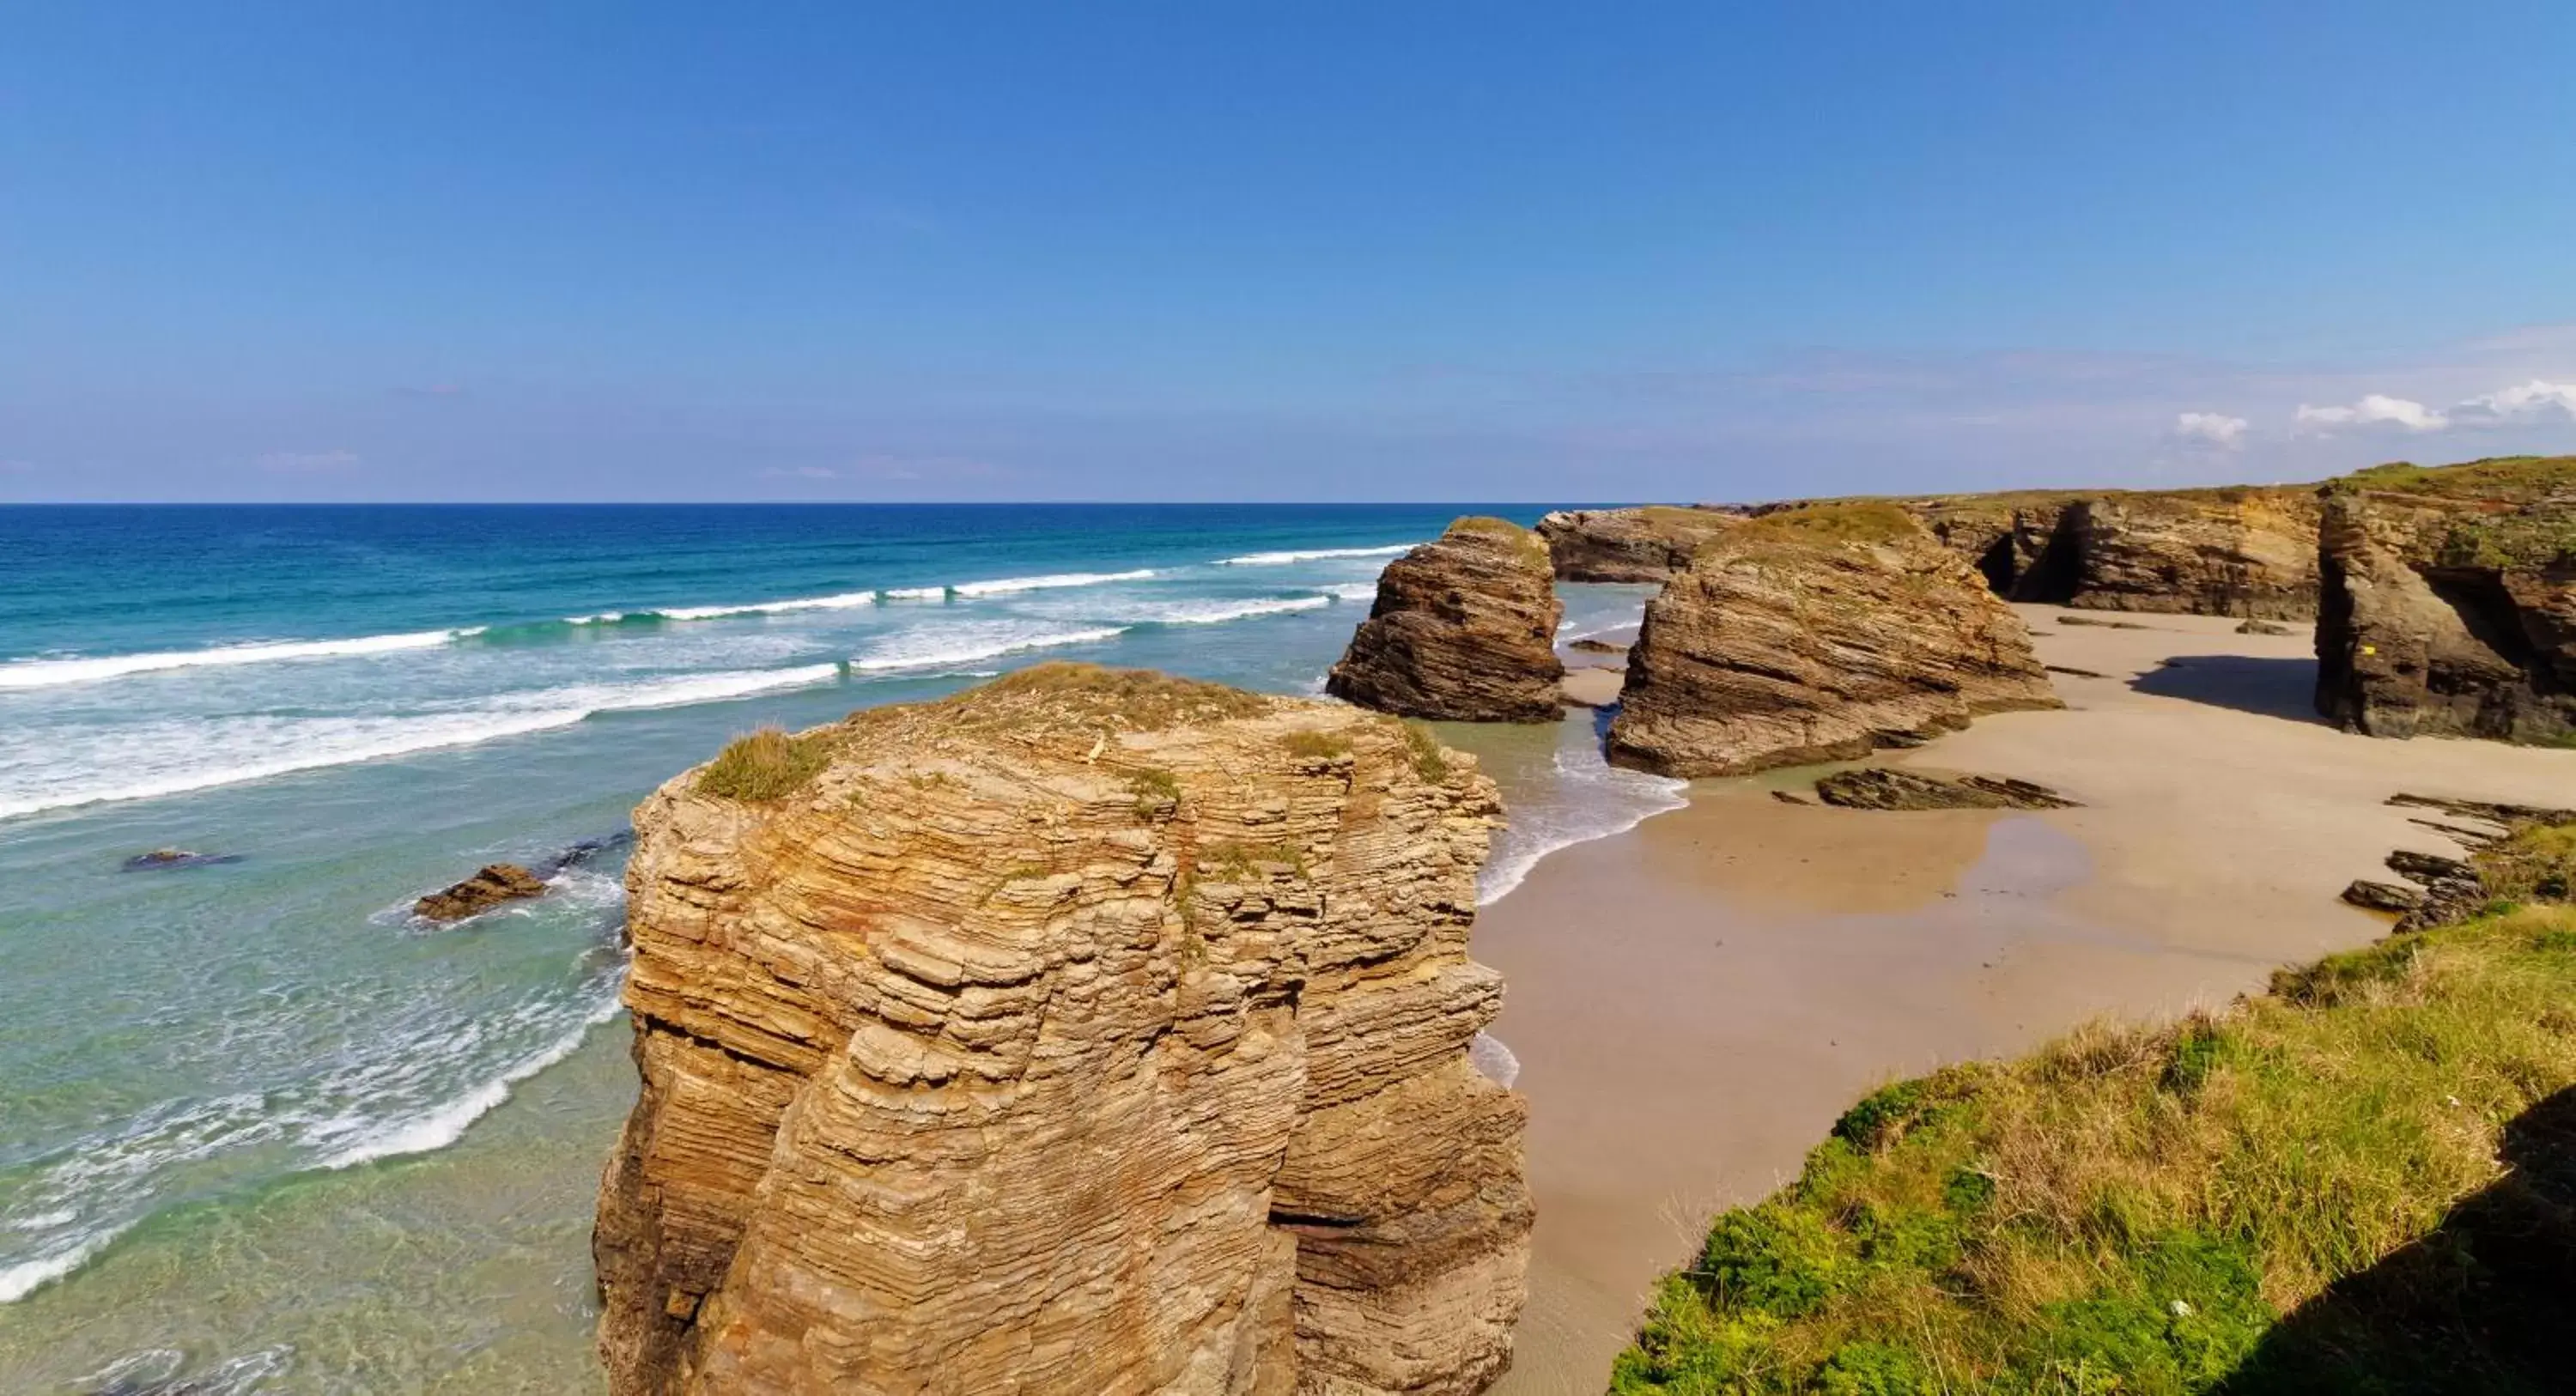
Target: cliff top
<point x="2494" y="478"/>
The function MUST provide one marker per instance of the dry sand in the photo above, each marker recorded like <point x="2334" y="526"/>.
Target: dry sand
<point x="1694" y="1002"/>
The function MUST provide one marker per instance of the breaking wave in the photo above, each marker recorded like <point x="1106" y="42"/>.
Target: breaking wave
<point x="964" y="644"/>
<point x="1311" y="554"/>
<point x="49" y="673"/>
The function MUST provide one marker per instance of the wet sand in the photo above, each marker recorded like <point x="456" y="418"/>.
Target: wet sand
<point x="1695" y="1001"/>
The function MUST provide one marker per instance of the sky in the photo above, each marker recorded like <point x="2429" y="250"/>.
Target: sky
<point x="1310" y="251"/>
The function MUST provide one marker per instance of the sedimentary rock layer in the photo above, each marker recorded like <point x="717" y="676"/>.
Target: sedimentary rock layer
<point x="1464" y="630"/>
<point x="2450" y="601"/>
<point x="1647" y="544"/>
<point x="1816" y="635"/>
<point x="1087" y="1032"/>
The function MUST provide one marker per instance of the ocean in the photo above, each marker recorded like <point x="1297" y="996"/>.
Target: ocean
<point x="260" y="1131"/>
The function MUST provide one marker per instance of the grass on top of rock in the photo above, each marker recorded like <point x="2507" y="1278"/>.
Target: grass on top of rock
<point x="767" y="764"/>
<point x="2493" y="476"/>
<point x="1066" y="696"/>
<point x="1531" y="548"/>
<point x="1858" y="521"/>
<point x="2359" y="1182"/>
<point x="2531" y="539"/>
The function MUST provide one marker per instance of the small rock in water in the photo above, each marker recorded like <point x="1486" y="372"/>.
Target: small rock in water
<point x="2263" y="627"/>
<point x="495" y="885"/>
<point x="160" y="858"/>
<point x="1879" y="787"/>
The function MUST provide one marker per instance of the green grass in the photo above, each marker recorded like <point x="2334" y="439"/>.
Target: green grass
<point x="1531" y="548"/>
<point x="2302" y="1192"/>
<point x="1858" y="521"/>
<point x="766" y="765"/>
<point x="2492" y="477"/>
<point x="1311" y="743"/>
<point x="1430" y="759"/>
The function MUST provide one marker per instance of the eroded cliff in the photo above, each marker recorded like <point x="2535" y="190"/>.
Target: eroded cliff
<point x="1818" y="634"/>
<point x="1647" y="544"/>
<point x="1463" y="630"/>
<point x="1086" y="1032"/>
<point x="2450" y="601"/>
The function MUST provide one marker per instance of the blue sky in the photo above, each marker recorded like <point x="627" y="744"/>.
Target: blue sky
<point x="1309" y="251"/>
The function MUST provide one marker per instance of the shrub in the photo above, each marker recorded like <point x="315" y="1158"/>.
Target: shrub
<point x="767" y="764"/>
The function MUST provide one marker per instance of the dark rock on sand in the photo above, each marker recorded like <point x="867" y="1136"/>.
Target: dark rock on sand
<point x="1464" y="630"/>
<point x="1592" y="646"/>
<point x="2264" y="627"/>
<point x="2384" y="896"/>
<point x="2450" y="601"/>
<point x="1818" y="634"/>
<point x="1786" y="798"/>
<point x="2427" y="868"/>
<point x="161" y="859"/>
<point x="2507" y="817"/>
<point x="1882" y="788"/>
<point x="2072" y="672"/>
<point x="2103" y="624"/>
<point x="496" y="885"/>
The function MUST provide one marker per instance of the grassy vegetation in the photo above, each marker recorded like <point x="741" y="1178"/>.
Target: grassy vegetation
<point x="1069" y="696"/>
<point x="1858" y="521"/>
<point x="2493" y="477"/>
<point x="1530" y="546"/>
<point x="767" y="764"/>
<point x="1311" y="743"/>
<point x="1430" y="759"/>
<point x="2302" y="1193"/>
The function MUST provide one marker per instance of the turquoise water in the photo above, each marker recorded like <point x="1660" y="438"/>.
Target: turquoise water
<point x="260" y="1130"/>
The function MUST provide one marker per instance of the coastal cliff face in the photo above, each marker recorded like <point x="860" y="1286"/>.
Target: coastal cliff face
<point x="1087" y="1032"/>
<point x="1818" y="634"/>
<point x="1464" y="630"/>
<point x="2450" y="601"/>
<point x="2243" y="552"/>
<point x="1647" y="544"/>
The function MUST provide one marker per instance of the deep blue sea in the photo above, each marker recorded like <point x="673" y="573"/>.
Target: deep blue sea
<point x="259" y="1129"/>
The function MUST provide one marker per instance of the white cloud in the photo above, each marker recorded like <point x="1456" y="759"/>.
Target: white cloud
<point x="802" y="472"/>
<point x="299" y="462"/>
<point x="2376" y="409"/>
<point x="2212" y="428"/>
<point x="2528" y="402"/>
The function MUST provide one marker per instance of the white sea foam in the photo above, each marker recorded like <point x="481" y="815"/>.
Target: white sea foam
<point x="842" y="601"/>
<point x="914" y="593"/>
<point x="1005" y="586"/>
<point x="50" y="673"/>
<point x="1219" y="612"/>
<point x="1311" y="554"/>
<point x="963" y="644"/>
<point x="447" y="1123"/>
<point x="1352" y="591"/>
<point x="27" y="1276"/>
<point x="167" y="758"/>
<point x="602" y="618"/>
<point x="1592" y="799"/>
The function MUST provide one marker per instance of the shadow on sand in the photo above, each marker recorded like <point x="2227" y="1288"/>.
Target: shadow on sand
<point x="2284" y="688"/>
<point x="2486" y="1303"/>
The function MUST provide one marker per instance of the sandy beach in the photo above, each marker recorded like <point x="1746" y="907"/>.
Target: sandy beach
<point x="1695" y="1001"/>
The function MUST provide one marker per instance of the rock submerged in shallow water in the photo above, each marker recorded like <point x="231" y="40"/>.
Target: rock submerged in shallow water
<point x="166" y="858"/>
<point x="496" y="885"/>
<point x="1817" y="635"/>
<point x="1088" y="1031"/>
<point x="1884" y="788"/>
<point x="1464" y="630"/>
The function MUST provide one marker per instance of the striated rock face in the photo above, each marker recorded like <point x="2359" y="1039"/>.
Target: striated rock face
<point x="1648" y="544"/>
<point x="1087" y="1032"/>
<point x="2231" y="552"/>
<point x="1815" y="635"/>
<point x="1464" y="630"/>
<point x="2450" y="601"/>
<point x="1886" y="788"/>
<point x="2016" y="542"/>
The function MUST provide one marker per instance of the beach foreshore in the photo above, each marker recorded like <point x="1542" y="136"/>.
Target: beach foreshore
<point x="1693" y="1002"/>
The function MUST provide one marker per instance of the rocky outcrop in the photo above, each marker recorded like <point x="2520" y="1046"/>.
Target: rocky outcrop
<point x="1885" y="788"/>
<point x="1464" y="630"/>
<point x="1647" y="544"/>
<point x="2015" y="541"/>
<point x="167" y="859"/>
<point x="2450" y="601"/>
<point x="498" y="884"/>
<point x="1816" y="635"/>
<point x="2230" y="552"/>
<point x="1086" y="1032"/>
<point x="2516" y="853"/>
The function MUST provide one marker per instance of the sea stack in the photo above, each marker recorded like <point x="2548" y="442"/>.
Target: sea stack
<point x="1647" y="544"/>
<point x="2450" y="601"/>
<point x="1818" y="634"/>
<point x="1088" y="1031"/>
<point x="1464" y="630"/>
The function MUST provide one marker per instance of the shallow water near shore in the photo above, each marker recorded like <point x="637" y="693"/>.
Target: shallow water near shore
<point x="260" y="1130"/>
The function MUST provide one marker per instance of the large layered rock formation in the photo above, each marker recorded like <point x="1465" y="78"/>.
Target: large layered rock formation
<point x="1649" y="544"/>
<point x="2450" y="601"/>
<point x="1818" y="634"/>
<point x="1087" y="1032"/>
<point x="1464" y="630"/>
